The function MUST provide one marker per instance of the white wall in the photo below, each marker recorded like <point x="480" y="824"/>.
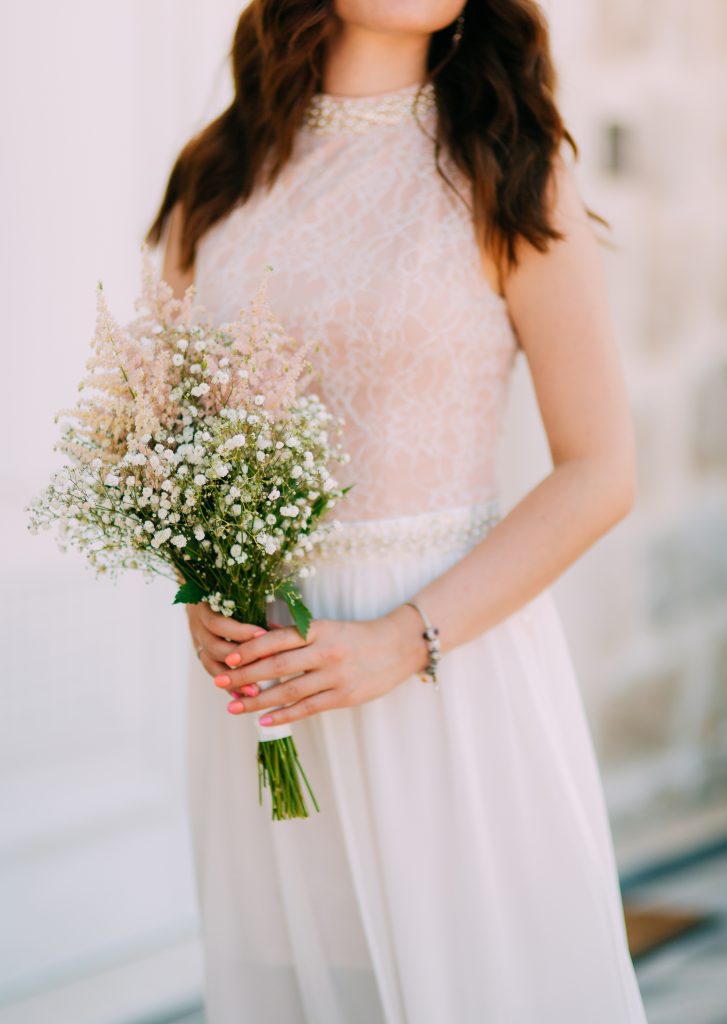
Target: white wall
<point x="97" y="99"/>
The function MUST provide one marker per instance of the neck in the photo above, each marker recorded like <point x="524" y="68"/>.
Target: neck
<point x="362" y="62"/>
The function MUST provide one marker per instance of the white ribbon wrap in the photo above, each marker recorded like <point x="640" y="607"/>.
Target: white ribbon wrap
<point x="271" y="732"/>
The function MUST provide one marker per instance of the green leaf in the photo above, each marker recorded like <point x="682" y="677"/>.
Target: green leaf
<point x="298" y="609"/>
<point x="189" y="593"/>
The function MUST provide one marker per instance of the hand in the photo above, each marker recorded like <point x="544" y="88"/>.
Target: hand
<point x="340" y="664"/>
<point x="217" y="635"/>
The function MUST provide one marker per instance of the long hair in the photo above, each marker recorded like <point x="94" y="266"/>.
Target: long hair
<point x="497" y="118"/>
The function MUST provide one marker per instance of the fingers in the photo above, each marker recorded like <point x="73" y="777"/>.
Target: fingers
<point x="282" y="638"/>
<point x="312" y="692"/>
<point x="215" y="648"/>
<point x="211" y="631"/>
<point x="226" y="627"/>
<point x="210" y="664"/>
<point x="285" y="663"/>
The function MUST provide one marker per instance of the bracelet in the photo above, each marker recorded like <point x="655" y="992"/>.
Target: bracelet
<point x="431" y="635"/>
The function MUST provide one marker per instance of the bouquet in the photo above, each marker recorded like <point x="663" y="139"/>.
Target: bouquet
<point x="193" y="453"/>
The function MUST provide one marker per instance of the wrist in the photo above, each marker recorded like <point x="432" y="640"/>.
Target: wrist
<point x="406" y="628"/>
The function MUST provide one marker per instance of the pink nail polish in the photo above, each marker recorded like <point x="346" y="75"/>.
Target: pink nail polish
<point x="233" y="659"/>
<point x="259" y="632"/>
<point x="250" y="690"/>
<point x="222" y="680"/>
<point x="235" y="707"/>
<point x="266" y="720"/>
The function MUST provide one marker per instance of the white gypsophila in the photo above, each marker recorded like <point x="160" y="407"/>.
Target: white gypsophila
<point x="160" y="537"/>
<point x="267" y="481"/>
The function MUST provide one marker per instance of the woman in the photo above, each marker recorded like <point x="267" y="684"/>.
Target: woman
<point x="399" y="167"/>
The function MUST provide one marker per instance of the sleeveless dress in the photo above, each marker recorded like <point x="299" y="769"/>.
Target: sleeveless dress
<point x="461" y="868"/>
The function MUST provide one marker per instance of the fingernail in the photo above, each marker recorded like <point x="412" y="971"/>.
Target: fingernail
<point x="235" y="707"/>
<point x="259" y="632"/>
<point x="233" y="659"/>
<point x="266" y="720"/>
<point x="250" y="690"/>
<point x="222" y="680"/>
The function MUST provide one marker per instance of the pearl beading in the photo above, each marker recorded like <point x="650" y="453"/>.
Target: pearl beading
<point x="327" y="113"/>
<point x="444" y="530"/>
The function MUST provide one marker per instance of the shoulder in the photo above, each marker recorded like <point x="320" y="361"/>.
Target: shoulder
<point x="566" y="260"/>
<point x="563" y="198"/>
<point x="565" y="211"/>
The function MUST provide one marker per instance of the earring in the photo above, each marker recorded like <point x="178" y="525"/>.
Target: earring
<point x="458" y="31"/>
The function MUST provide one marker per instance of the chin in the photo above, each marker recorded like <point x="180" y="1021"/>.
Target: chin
<point x="399" y="15"/>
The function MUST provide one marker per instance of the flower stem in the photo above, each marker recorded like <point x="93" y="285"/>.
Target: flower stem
<point x="279" y="769"/>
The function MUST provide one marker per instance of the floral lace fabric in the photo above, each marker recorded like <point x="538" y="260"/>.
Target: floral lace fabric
<point x="375" y="258"/>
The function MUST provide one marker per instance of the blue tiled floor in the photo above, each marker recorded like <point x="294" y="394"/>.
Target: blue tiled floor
<point x="686" y="981"/>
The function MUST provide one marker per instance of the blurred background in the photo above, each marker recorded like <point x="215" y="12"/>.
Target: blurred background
<point x="99" y="922"/>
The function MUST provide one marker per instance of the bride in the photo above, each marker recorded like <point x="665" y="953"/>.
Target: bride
<point x="401" y="168"/>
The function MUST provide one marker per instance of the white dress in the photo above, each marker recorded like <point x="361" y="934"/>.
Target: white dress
<point x="461" y="868"/>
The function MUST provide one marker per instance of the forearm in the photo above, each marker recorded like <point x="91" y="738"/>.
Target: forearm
<point x="552" y="525"/>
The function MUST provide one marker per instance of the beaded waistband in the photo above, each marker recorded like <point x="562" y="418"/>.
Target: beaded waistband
<point x="444" y="530"/>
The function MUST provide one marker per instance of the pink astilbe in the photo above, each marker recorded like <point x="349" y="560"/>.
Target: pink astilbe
<point x="275" y="361"/>
<point x="101" y="420"/>
<point x="169" y="365"/>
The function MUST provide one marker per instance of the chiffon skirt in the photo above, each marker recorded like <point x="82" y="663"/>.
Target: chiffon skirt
<point x="461" y="868"/>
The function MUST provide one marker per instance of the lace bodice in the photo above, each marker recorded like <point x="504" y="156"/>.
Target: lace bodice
<point x="375" y="257"/>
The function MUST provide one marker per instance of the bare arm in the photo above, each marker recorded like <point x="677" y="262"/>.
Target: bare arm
<point x="558" y="305"/>
<point x="171" y="272"/>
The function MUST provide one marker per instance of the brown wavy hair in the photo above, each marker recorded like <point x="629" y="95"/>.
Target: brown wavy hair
<point x="497" y="117"/>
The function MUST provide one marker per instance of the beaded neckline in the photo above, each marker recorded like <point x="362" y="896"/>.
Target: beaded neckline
<point x="329" y="113"/>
